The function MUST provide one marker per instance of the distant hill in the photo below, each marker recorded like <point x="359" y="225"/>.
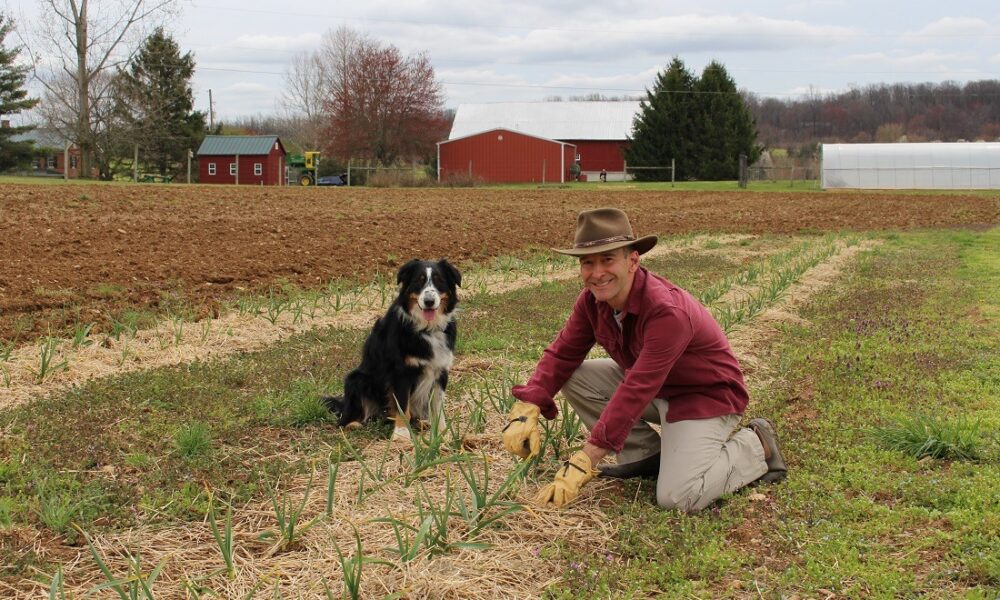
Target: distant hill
<point x="946" y="112"/>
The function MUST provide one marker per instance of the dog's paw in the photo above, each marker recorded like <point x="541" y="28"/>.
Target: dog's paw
<point x="401" y="437"/>
<point x="353" y="425"/>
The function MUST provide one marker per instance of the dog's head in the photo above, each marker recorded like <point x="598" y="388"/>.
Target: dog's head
<point x="428" y="291"/>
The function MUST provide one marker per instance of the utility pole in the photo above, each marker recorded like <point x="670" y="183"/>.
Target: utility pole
<point x="211" y="112"/>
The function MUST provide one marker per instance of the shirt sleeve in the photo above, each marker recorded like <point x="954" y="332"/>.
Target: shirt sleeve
<point x="666" y="335"/>
<point x="560" y="359"/>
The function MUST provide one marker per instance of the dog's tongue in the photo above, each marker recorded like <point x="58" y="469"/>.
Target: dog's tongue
<point x="429" y="314"/>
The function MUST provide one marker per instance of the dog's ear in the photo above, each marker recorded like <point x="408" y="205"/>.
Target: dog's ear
<point x="451" y="272"/>
<point x="406" y="271"/>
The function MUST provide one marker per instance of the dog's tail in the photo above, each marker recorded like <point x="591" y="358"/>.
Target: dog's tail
<point x="346" y="412"/>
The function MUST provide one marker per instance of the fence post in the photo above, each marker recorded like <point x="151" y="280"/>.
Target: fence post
<point x="349" y="172"/>
<point x="135" y="163"/>
<point x="743" y="171"/>
<point x="190" y="154"/>
<point x="237" y="169"/>
<point x="543" y="171"/>
<point x="673" y="171"/>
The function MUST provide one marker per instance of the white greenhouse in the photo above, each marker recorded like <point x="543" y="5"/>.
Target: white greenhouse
<point x="924" y="166"/>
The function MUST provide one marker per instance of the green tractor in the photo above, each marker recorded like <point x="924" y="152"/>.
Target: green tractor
<point x="302" y="168"/>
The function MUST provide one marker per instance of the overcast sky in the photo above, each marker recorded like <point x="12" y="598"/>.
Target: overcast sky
<point x="528" y="51"/>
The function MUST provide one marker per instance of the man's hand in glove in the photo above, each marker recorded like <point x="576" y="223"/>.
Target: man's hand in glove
<point x="521" y="436"/>
<point x="577" y="471"/>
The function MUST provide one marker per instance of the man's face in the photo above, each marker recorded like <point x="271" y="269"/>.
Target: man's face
<point x="609" y="275"/>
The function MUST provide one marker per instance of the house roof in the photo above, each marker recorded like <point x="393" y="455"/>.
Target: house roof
<point x="43" y="137"/>
<point x="224" y="145"/>
<point x="551" y="120"/>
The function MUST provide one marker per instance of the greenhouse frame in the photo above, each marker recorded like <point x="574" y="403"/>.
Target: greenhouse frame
<point x="918" y="166"/>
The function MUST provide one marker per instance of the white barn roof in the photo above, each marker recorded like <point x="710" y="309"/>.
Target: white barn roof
<point x="552" y="120"/>
<point x="934" y="165"/>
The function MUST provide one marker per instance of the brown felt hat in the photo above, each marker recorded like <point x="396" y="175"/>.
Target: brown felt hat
<point x="604" y="229"/>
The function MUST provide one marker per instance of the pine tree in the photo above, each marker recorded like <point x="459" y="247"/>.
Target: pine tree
<point x="725" y="126"/>
<point x="665" y="127"/>
<point x="156" y="103"/>
<point x="13" y="99"/>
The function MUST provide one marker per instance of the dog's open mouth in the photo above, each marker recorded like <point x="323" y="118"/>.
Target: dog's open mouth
<point x="429" y="314"/>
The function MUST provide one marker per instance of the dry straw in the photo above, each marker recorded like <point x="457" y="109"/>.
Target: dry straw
<point x="505" y="559"/>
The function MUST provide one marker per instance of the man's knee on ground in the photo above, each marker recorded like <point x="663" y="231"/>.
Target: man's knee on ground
<point x="685" y="498"/>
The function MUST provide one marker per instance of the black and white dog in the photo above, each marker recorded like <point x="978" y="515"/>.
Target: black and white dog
<point x="405" y="360"/>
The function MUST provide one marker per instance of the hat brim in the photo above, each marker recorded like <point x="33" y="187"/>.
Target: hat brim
<point x="641" y="245"/>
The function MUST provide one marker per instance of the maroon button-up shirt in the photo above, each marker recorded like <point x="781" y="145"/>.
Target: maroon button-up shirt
<point x="669" y="346"/>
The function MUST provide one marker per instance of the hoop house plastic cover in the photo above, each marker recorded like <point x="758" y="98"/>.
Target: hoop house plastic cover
<point x="951" y="166"/>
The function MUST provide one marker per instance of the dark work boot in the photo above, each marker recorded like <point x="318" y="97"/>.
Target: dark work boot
<point x="646" y="467"/>
<point x="776" y="468"/>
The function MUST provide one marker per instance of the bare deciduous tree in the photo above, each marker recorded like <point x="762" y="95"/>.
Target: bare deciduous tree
<point x="309" y="80"/>
<point x="85" y="39"/>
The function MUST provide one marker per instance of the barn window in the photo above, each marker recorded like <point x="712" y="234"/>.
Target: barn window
<point x="258" y="168"/>
<point x="211" y="168"/>
<point x="50" y="162"/>
<point x="72" y="162"/>
<point x="232" y="168"/>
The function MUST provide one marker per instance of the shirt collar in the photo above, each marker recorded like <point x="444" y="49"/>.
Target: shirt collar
<point x="634" y="302"/>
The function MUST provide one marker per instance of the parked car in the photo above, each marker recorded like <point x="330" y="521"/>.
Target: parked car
<point x="332" y="180"/>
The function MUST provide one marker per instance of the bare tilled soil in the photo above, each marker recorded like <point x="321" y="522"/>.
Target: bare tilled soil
<point x="85" y="253"/>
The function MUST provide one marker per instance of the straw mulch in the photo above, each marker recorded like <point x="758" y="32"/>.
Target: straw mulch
<point x="517" y="562"/>
<point x="513" y="565"/>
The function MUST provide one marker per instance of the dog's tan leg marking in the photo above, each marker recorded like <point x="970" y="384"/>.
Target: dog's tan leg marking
<point x="353" y="425"/>
<point x="401" y="431"/>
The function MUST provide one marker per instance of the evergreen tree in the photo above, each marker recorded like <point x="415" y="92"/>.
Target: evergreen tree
<point x="664" y="129"/>
<point x="13" y="99"/>
<point x="156" y="104"/>
<point x="724" y="125"/>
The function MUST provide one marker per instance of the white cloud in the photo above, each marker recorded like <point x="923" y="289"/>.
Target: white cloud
<point x="955" y="27"/>
<point x="920" y="62"/>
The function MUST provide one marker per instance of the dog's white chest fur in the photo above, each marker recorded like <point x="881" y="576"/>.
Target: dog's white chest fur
<point x="441" y="355"/>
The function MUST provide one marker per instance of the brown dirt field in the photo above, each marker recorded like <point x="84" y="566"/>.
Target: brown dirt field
<point x="85" y="252"/>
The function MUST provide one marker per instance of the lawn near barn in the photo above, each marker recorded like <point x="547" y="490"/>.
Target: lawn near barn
<point x="188" y="332"/>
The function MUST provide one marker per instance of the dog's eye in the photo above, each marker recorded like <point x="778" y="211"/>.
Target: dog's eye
<point x="437" y="280"/>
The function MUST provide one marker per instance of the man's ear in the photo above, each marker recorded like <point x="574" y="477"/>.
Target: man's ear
<point x="633" y="261"/>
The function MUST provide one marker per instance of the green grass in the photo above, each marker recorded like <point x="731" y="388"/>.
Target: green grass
<point x="911" y="329"/>
<point x="929" y="436"/>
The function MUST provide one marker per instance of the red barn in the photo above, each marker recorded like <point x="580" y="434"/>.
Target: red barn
<point x="242" y="160"/>
<point x="505" y="156"/>
<point x="598" y="130"/>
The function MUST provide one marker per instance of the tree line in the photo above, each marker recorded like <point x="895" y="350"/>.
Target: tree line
<point x="946" y="112"/>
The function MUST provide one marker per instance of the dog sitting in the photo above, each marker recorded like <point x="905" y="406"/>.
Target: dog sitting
<point x="406" y="358"/>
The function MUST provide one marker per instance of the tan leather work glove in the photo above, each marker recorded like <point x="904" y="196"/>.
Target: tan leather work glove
<point x="521" y="436"/>
<point x="577" y="471"/>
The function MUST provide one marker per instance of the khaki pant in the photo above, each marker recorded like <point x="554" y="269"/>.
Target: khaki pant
<point x="700" y="459"/>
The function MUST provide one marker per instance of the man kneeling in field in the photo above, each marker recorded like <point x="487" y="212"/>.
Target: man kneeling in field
<point x="670" y="364"/>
